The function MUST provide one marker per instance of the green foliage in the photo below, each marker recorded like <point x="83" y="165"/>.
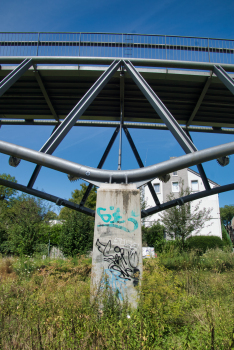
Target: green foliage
<point x="216" y="260"/>
<point x="202" y="243"/>
<point x="52" y="233"/>
<point x="6" y="193"/>
<point x="77" y="234"/>
<point x="153" y="236"/>
<point x="226" y="214"/>
<point x="182" y="220"/>
<point x="226" y="238"/>
<point x="21" y="221"/>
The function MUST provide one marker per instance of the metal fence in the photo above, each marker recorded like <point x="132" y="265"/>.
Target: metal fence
<point x="141" y="46"/>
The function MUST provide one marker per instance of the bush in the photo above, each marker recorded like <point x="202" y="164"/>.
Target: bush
<point x="153" y="236"/>
<point x="226" y="238"/>
<point x="202" y="243"/>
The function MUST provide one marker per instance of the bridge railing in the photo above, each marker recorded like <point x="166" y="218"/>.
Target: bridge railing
<point x="120" y="45"/>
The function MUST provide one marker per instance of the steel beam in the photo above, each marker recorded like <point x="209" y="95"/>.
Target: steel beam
<point x="120" y="138"/>
<point x="186" y="199"/>
<point x="49" y="197"/>
<point x="13" y="76"/>
<point x="199" y="102"/>
<point x="101" y="163"/>
<point x="108" y="60"/>
<point x="224" y="77"/>
<point x="59" y="134"/>
<point x="161" y="109"/>
<point x="44" y="92"/>
<point x="201" y="170"/>
<point x="121" y="117"/>
<point x="126" y="176"/>
<point x="140" y="163"/>
<point x="130" y="125"/>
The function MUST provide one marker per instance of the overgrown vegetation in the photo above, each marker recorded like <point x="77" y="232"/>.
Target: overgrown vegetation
<point x="25" y="227"/>
<point x="45" y="304"/>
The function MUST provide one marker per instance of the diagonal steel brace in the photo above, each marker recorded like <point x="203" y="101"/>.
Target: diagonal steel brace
<point x="101" y="163"/>
<point x="13" y="76"/>
<point x="53" y="142"/>
<point x="224" y="77"/>
<point x="161" y="109"/>
<point x="140" y="163"/>
<point x="176" y="130"/>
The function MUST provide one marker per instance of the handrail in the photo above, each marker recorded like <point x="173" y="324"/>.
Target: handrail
<point x="124" y="45"/>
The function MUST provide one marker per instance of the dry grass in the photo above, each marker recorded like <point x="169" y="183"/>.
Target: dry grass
<point x="46" y="305"/>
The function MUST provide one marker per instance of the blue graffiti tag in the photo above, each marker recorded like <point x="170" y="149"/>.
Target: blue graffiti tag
<point x="115" y="282"/>
<point x="116" y="219"/>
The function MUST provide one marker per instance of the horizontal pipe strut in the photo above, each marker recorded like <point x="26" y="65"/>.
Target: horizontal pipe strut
<point x="102" y="176"/>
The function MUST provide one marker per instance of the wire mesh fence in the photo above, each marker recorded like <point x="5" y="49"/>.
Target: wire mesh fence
<point x="118" y="45"/>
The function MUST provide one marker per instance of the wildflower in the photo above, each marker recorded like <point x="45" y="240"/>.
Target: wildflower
<point x="128" y="316"/>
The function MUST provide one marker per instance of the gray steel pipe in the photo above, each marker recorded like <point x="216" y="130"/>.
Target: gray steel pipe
<point x="124" y="176"/>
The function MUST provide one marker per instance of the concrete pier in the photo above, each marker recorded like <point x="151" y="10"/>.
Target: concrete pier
<point x="117" y="246"/>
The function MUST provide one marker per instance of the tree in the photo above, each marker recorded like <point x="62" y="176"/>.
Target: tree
<point x="77" y="196"/>
<point x="6" y="201"/>
<point x="6" y="193"/>
<point x="181" y="221"/>
<point x="77" y="234"/>
<point x="23" y="222"/>
<point x="226" y="214"/>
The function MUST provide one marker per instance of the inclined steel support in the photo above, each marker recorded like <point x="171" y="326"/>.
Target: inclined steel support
<point x="134" y="176"/>
<point x="120" y="139"/>
<point x="201" y="170"/>
<point x="59" y="134"/>
<point x="224" y="77"/>
<point x="48" y="197"/>
<point x="13" y="76"/>
<point x="101" y="163"/>
<point x="186" y="199"/>
<point x="183" y="139"/>
<point x="199" y="102"/>
<point x="44" y="92"/>
<point x="161" y="109"/>
<point x="141" y="165"/>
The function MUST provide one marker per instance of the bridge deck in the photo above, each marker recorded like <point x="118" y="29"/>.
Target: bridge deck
<point x="179" y="90"/>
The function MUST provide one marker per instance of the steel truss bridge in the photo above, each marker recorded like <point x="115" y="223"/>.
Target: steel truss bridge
<point x="124" y="81"/>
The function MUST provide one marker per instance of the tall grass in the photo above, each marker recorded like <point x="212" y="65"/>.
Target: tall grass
<point x="45" y="304"/>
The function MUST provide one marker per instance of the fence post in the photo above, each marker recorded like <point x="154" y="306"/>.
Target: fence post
<point x="209" y="48"/>
<point x="38" y="41"/>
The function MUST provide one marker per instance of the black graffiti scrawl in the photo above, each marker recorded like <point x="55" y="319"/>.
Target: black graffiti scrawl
<point x="122" y="260"/>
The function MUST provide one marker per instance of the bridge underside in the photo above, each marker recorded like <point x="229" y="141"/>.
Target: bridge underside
<point x="180" y="97"/>
<point x="180" y="90"/>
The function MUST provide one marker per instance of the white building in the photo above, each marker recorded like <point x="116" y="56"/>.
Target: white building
<point x="192" y="180"/>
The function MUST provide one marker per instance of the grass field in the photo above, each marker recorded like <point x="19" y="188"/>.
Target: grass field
<point x="186" y="301"/>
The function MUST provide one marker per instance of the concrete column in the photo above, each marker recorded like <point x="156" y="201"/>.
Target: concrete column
<point x="117" y="245"/>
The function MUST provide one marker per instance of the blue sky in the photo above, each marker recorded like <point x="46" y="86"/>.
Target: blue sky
<point x="86" y="145"/>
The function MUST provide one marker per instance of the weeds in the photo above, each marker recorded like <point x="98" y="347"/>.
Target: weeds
<point x="190" y="307"/>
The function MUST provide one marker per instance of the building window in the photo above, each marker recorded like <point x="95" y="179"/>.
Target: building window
<point x="194" y="185"/>
<point x="175" y="173"/>
<point x="157" y="188"/>
<point x="175" y="186"/>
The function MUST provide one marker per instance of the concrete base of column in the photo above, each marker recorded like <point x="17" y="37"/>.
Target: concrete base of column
<point x="117" y="246"/>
